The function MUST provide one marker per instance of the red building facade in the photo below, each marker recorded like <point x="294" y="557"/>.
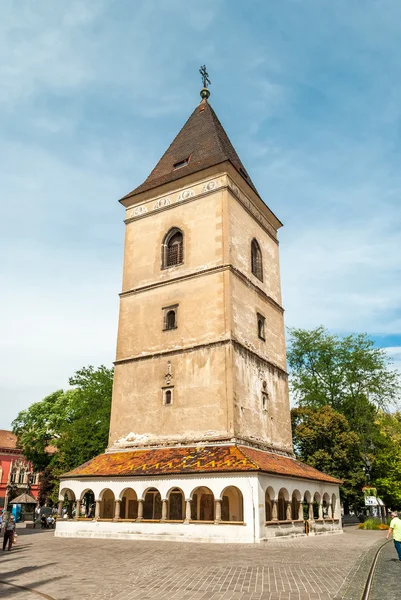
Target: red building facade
<point x="16" y="474"/>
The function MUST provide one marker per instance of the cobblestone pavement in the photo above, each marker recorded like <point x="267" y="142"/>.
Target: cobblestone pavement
<point x="89" y="569"/>
<point x="386" y="583"/>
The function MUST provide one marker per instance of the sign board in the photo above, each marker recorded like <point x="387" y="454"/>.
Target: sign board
<point x="371" y="501"/>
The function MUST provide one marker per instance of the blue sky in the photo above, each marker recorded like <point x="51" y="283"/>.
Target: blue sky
<point x="91" y="95"/>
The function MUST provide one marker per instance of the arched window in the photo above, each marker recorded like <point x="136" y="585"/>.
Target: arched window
<point x="256" y="260"/>
<point x="173" y="248"/>
<point x="168" y="396"/>
<point x="21" y="476"/>
<point x="171" y="319"/>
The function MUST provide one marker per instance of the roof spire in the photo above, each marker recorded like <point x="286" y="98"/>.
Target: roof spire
<point x="205" y="93"/>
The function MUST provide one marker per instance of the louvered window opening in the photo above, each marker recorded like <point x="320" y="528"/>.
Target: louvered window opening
<point x="174" y="254"/>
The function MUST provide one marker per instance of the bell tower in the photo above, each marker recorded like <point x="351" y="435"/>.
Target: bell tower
<point x="201" y="347"/>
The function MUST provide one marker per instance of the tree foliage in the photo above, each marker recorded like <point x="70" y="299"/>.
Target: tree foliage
<point x="386" y="467"/>
<point x="347" y="373"/>
<point x="345" y="377"/>
<point x="74" y="423"/>
<point x="323" y="438"/>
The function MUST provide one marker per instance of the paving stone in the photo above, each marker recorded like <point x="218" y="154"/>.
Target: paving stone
<point x="386" y="583"/>
<point x="89" y="569"/>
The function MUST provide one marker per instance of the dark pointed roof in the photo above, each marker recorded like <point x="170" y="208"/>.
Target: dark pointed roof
<point x="203" y="142"/>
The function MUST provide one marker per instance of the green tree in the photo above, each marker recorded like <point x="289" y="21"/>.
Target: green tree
<point x="323" y="438"/>
<point x="67" y="428"/>
<point x="347" y="373"/>
<point x="386" y="466"/>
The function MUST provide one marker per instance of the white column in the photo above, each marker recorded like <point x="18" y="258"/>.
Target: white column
<point x="164" y="510"/>
<point x="117" y="506"/>
<point x="301" y="511"/>
<point x="78" y="509"/>
<point x="97" y="509"/>
<point x="140" y="509"/>
<point x="217" y="511"/>
<point x="187" y="510"/>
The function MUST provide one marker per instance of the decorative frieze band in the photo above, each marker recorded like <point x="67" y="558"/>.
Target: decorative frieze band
<point x="198" y="190"/>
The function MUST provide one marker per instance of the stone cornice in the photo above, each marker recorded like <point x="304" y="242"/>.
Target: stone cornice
<point x="218" y="269"/>
<point x="224" y="342"/>
<point x="196" y="191"/>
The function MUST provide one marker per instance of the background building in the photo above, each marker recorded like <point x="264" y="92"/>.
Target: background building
<point x="16" y="474"/>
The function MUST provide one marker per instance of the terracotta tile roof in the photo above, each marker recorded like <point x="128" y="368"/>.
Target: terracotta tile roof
<point x="204" y="142"/>
<point x="8" y="440"/>
<point x="204" y="459"/>
<point x="283" y="465"/>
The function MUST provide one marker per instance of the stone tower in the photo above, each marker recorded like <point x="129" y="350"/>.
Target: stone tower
<point x="201" y="348"/>
<point x="200" y="435"/>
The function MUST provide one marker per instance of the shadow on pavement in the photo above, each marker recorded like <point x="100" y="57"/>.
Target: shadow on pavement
<point x="10" y="577"/>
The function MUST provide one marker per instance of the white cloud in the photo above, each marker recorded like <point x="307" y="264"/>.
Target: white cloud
<point x="91" y="95"/>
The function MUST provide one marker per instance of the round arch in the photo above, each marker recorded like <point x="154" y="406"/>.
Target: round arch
<point x="283" y="499"/>
<point x="152" y="504"/>
<point x="202" y="504"/>
<point x="129" y="504"/>
<point x="326" y="505"/>
<point x="232" y="505"/>
<point x="296" y="506"/>
<point x="88" y="501"/>
<point x="269" y="499"/>
<point x="67" y="492"/>
<point x="316" y="504"/>
<point x="107" y="503"/>
<point x="175" y="504"/>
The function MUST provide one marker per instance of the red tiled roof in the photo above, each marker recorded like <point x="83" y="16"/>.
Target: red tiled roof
<point x="283" y="465"/>
<point x="8" y="440"/>
<point x="204" y="142"/>
<point x="203" y="459"/>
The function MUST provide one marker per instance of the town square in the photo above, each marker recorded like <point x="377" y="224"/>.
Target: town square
<point x="201" y="385"/>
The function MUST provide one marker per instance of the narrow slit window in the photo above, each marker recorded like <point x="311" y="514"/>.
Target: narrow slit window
<point x="168" y="396"/>
<point x="261" y="327"/>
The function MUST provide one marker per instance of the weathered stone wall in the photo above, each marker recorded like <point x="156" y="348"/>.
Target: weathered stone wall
<point x="270" y="426"/>
<point x="217" y="360"/>
<point x="199" y="410"/>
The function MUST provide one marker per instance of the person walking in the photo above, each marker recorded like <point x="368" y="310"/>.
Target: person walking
<point x="395" y="529"/>
<point x="9" y="532"/>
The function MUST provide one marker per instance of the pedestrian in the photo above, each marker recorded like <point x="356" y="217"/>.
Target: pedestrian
<point x="395" y="529"/>
<point x="43" y="522"/>
<point x="9" y="532"/>
<point x="1" y="518"/>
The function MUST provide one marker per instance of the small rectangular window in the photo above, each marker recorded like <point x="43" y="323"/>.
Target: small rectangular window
<point x="261" y="326"/>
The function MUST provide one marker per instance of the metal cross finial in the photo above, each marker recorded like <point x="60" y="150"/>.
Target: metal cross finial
<point x="205" y="76"/>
